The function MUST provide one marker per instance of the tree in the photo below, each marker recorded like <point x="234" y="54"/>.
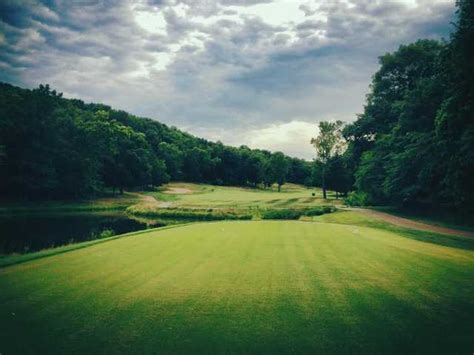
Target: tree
<point x="299" y="171"/>
<point x="328" y="144"/>
<point x="268" y="173"/>
<point x="338" y="175"/>
<point x="159" y="174"/>
<point x="252" y="167"/>
<point x="394" y="151"/>
<point x="52" y="147"/>
<point x="173" y="158"/>
<point x="455" y="119"/>
<point x="279" y="168"/>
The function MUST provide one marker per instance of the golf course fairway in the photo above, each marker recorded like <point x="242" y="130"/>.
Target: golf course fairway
<point x="240" y="287"/>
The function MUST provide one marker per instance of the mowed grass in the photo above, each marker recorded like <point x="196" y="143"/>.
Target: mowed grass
<point x="210" y="196"/>
<point x="358" y="218"/>
<point x="260" y="287"/>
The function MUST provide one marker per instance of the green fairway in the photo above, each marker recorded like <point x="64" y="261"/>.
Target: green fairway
<point x="209" y="196"/>
<point x="243" y="287"/>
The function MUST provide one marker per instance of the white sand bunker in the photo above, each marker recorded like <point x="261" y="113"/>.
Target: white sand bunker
<point x="177" y="191"/>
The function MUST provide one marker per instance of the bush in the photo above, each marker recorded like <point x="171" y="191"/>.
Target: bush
<point x="106" y="233"/>
<point x="281" y="214"/>
<point x="318" y="211"/>
<point x="296" y="214"/>
<point x="186" y="214"/>
<point x="356" y="198"/>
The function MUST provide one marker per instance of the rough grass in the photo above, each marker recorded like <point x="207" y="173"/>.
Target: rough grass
<point x="110" y="203"/>
<point x="211" y="214"/>
<point x="295" y="213"/>
<point x="209" y="196"/>
<point x="360" y="219"/>
<point x="261" y="287"/>
<point x="13" y="259"/>
<point x="209" y="202"/>
<point x="202" y="196"/>
<point x="152" y="211"/>
<point x="461" y="220"/>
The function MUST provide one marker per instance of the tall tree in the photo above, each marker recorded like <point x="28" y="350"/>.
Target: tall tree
<point x="328" y="144"/>
<point x="279" y="168"/>
<point x="51" y="147"/>
<point x="338" y="176"/>
<point x="455" y="119"/>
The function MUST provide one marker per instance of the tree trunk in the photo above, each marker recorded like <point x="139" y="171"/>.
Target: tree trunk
<point x="121" y="190"/>
<point x="323" y="182"/>
<point x="337" y="195"/>
<point x="279" y="187"/>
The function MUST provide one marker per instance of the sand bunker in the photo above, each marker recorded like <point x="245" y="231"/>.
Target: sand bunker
<point x="178" y="191"/>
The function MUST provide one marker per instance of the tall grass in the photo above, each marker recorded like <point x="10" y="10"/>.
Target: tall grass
<point x="187" y="214"/>
<point x="296" y="213"/>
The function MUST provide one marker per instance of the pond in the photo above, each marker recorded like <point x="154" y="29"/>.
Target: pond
<point x="32" y="232"/>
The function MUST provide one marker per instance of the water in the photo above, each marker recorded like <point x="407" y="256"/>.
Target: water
<point x="28" y="233"/>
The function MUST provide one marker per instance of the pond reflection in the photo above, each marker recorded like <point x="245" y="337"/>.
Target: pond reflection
<point x="32" y="232"/>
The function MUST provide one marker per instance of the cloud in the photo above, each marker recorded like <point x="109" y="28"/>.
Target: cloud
<point x="241" y="71"/>
<point x="292" y="137"/>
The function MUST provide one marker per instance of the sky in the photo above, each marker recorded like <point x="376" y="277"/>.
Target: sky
<point x="257" y="72"/>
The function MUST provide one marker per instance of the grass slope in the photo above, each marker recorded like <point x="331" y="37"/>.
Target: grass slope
<point x="210" y="196"/>
<point x="111" y="203"/>
<point x="13" y="259"/>
<point x="261" y="286"/>
<point x="360" y="219"/>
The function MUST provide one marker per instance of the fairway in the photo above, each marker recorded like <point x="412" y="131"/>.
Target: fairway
<point x="259" y="286"/>
<point x="210" y="196"/>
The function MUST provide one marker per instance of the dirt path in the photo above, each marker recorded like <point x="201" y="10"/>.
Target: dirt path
<point x="150" y="200"/>
<point x="177" y="191"/>
<point x="408" y="223"/>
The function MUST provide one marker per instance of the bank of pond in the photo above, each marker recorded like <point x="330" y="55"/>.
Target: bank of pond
<point x="30" y="232"/>
<point x="23" y="233"/>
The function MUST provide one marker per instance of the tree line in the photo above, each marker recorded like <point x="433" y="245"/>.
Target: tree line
<point x="414" y="141"/>
<point x="52" y="147"/>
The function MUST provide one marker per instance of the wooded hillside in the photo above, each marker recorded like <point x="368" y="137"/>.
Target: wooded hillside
<point x="53" y="147"/>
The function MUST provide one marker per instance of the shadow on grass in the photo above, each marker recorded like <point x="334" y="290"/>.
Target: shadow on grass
<point x="358" y="219"/>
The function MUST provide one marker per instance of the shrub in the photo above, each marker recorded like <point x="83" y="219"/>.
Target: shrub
<point x="106" y="233"/>
<point x="186" y="214"/>
<point x="281" y="214"/>
<point x="318" y="211"/>
<point x="296" y="214"/>
<point x="356" y="198"/>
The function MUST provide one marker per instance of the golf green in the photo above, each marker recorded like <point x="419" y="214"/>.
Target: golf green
<point x="240" y="287"/>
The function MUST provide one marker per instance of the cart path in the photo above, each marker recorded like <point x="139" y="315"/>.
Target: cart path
<point x="408" y="223"/>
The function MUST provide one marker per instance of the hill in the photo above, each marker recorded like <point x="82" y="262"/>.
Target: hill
<point x="52" y="147"/>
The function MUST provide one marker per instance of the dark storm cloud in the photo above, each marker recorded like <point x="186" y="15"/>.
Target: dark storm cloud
<point x="213" y="67"/>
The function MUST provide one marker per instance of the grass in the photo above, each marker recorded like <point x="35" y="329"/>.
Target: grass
<point x="211" y="214"/>
<point x="151" y="211"/>
<point x="208" y="202"/>
<point x="13" y="259"/>
<point x="461" y="220"/>
<point x="240" y="287"/>
<point x="109" y="203"/>
<point x="360" y="219"/>
<point x="202" y="197"/>
<point x="295" y="213"/>
<point x="209" y="196"/>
